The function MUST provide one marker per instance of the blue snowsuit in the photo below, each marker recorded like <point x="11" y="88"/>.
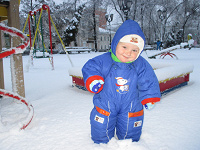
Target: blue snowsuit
<point x="127" y="87"/>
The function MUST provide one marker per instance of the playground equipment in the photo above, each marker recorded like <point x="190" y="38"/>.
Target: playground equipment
<point x="12" y="14"/>
<point x="50" y="20"/>
<point x="10" y="10"/>
<point x="167" y="52"/>
<point x="15" y="50"/>
<point x="18" y="49"/>
<point x="29" y="117"/>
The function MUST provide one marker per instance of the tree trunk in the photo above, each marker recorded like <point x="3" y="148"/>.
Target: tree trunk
<point x="95" y="33"/>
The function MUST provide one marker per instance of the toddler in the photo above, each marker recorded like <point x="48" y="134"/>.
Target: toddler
<point x="123" y="82"/>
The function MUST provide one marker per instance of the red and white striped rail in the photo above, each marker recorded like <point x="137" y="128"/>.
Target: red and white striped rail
<point x="14" y="32"/>
<point x="15" y="50"/>
<point x="29" y="117"/>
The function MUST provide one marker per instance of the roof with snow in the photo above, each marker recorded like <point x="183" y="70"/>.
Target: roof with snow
<point x="101" y="30"/>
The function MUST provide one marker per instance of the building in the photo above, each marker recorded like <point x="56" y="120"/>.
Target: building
<point x="103" y="32"/>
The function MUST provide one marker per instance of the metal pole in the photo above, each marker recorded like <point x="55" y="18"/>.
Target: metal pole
<point x="1" y="68"/>
<point x="161" y="33"/>
<point x="36" y="46"/>
<point x="29" y="26"/>
<point x="50" y="36"/>
<point x="42" y="37"/>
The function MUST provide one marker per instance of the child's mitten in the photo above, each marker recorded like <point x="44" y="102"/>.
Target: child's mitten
<point x="95" y="85"/>
<point x="149" y="105"/>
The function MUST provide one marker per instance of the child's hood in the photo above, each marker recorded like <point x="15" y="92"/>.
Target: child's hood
<point x="127" y="28"/>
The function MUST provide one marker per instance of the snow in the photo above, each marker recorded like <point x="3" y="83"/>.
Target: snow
<point x="191" y="42"/>
<point x="101" y="30"/>
<point x="41" y="54"/>
<point x="173" y="69"/>
<point x="61" y="112"/>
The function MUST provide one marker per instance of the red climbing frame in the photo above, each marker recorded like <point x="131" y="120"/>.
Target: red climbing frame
<point x="14" y="32"/>
<point x="172" y="55"/>
<point x="20" y="49"/>
<point x="22" y="100"/>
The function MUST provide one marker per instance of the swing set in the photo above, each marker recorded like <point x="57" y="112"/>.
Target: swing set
<point x="37" y="24"/>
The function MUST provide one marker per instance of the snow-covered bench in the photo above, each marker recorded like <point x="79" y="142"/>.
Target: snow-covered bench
<point x="148" y="47"/>
<point x="171" y="75"/>
<point x="78" y="49"/>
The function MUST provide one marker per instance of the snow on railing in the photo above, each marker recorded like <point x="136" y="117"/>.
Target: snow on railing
<point x="14" y="32"/>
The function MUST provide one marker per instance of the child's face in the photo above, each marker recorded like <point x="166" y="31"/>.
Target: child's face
<point x="126" y="52"/>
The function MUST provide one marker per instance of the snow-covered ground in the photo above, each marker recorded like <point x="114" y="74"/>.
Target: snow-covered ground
<point x="61" y="119"/>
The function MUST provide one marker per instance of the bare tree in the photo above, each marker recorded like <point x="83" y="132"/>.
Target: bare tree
<point x="191" y="9"/>
<point x="180" y="14"/>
